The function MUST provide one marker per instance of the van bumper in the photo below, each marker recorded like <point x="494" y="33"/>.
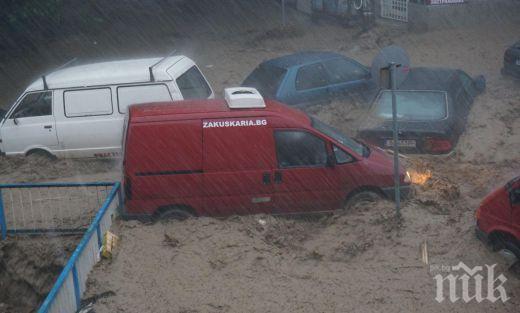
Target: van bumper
<point x="404" y="190"/>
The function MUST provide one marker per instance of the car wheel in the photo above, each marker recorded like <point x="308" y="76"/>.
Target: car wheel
<point x="513" y="248"/>
<point x="362" y="198"/>
<point x="175" y="214"/>
<point x="504" y="242"/>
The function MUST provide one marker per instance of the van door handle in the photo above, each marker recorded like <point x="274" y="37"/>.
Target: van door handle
<point x="277" y="177"/>
<point x="266" y="178"/>
<point x="47" y="126"/>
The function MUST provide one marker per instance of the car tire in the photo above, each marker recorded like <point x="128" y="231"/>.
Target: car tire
<point x="502" y="241"/>
<point x="513" y="247"/>
<point x="177" y="214"/>
<point x="362" y="198"/>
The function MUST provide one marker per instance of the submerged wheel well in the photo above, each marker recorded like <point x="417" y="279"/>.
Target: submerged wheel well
<point x="366" y="188"/>
<point x="178" y="207"/>
<point x="498" y="235"/>
<point x="40" y="151"/>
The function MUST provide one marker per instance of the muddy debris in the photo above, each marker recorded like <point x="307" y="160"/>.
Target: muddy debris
<point x="29" y="268"/>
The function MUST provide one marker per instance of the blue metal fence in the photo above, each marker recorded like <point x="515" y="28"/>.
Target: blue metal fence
<point x="49" y="207"/>
<point x="65" y="296"/>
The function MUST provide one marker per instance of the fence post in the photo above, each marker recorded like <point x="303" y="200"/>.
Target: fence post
<point x="3" y="225"/>
<point x="75" y="281"/>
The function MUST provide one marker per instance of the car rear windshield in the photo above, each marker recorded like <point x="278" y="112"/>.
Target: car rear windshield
<point x="266" y="79"/>
<point x="338" y="136"/>
<point x="412" y="105"/>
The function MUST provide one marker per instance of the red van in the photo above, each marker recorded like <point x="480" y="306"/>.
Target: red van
<point x="244" y="155"/>
<point x="498" y="218"/>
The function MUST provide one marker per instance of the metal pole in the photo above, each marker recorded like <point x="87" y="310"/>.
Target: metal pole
<point x="393" y="67"/>
<point x="284" y="20"/>
<point x="3" y="225"/>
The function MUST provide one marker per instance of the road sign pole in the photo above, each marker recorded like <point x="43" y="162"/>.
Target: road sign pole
<point x="393" y="67"/>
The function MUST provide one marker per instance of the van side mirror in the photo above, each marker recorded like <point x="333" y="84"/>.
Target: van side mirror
<point x="331" y="161"/>
<point x="15" y="120"/>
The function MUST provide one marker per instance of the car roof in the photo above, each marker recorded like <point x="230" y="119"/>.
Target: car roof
<point x="428" y="78"/>
<point x="304" y="57"/>
<point x="107" y="73"/>
<point x="212" y="108"/>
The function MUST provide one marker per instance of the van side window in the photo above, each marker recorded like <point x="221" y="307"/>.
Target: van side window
<point x="299" y="149"/>
<point x="311" y="76"/>
<point x="193" y="85"/>
<point x="88" y="102"/>
<point x="127" y="95"/>
<point x="34" y="104"/>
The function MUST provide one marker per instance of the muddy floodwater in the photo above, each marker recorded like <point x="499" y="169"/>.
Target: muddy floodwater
<point x="361" y="260"/>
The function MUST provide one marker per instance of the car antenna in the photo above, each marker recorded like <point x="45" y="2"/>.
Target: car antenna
<point x="150" y="69"/>
<point x="44" y="79"/>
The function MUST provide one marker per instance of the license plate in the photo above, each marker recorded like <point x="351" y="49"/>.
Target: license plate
<point x="401" y="143"/>
<point x="518" y="62"/>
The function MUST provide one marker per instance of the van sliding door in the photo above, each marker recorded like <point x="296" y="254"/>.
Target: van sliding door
<point x="238" y="162"/>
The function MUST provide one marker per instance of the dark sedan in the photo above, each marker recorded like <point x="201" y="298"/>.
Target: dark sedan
<point x="432" y="108"/>
<point x="512" y="60"/>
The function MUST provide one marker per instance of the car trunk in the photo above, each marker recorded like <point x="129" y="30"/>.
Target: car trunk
<point x="414" y="137"/>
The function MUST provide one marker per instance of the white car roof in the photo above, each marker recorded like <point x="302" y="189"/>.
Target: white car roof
<point x="108" y="73"/>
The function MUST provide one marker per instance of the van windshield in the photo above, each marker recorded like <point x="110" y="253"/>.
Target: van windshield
<point x="332" y="132"/>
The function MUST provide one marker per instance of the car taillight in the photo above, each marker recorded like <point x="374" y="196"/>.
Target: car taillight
<point x="437" y="145"/>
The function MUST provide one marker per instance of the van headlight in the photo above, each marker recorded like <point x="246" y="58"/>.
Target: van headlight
<point x="407" y="178"/>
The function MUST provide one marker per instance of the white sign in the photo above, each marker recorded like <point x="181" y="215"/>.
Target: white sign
<point x="446" y="1"/>
<point x="234" y="123"/>
<point x="461" y="277"/>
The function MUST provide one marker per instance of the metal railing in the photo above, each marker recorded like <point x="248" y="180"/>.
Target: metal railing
<point x="65" y="296"/>
<point x="395" y="9"/>
<point x="50" y="207"/>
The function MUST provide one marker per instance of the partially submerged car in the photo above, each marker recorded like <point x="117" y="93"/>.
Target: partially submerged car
<point x="512" y="60"/>
<point x="245" y="155"/>
<point x="432" y="109"/>
<point x="498" y="218"/>
<point x="306" y="78"/>
<point x="78" y="111"/>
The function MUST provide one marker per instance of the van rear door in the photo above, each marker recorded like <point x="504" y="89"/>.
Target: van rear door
<point x="238" y="164"/>
<point x="163" y="165"/>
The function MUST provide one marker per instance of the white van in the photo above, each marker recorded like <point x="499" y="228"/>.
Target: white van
<point x="79" y="111"/>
